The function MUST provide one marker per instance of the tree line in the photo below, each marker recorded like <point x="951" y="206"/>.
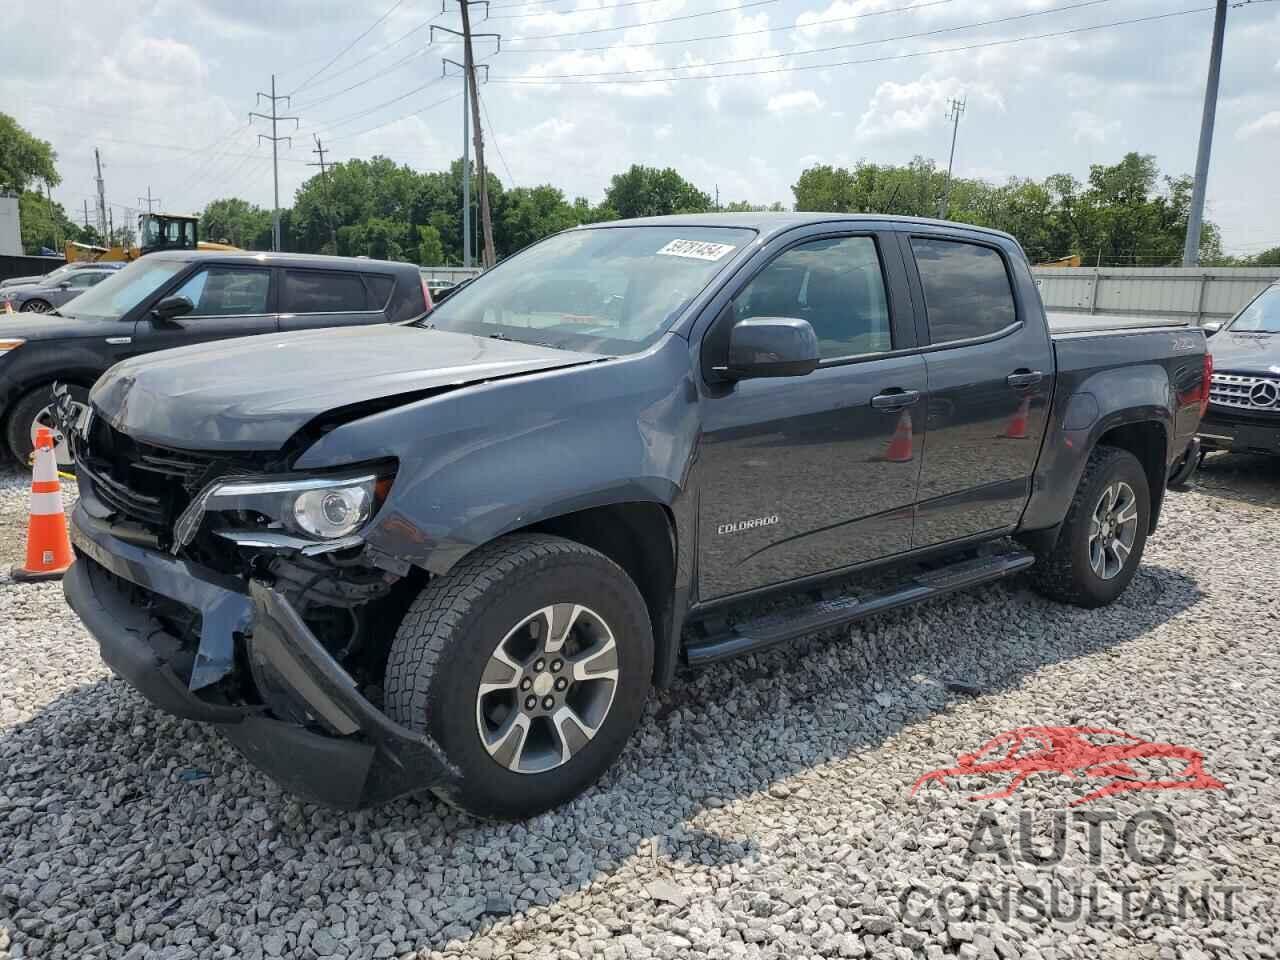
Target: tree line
<point x="1127" y="213"/>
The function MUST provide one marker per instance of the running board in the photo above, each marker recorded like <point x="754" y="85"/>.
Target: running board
<point x="752" y="635"/>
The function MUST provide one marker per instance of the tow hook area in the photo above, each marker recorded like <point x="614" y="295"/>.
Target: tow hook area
<point x="367" y="759"/>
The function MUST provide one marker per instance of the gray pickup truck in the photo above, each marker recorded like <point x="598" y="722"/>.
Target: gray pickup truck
<point x="456" y="553"/>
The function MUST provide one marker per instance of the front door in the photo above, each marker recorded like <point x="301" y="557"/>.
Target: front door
<point x="228" y="301"/>
<point x="990" y="375"/>
<point x="802" y="475"/>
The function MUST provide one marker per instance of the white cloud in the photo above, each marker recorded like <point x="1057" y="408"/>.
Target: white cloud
<point x="1267" y="123"/>
<point x="898" y="109"/>
<point x="797" y="101"/>
<point x="1088" y="127"/>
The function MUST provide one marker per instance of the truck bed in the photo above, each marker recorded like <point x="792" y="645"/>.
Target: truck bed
<point x="1065" y="323"/>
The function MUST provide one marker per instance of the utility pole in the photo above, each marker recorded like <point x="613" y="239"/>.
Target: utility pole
<point x="102" y="197"/>
<point x="954" y="115"/>
<point x="328" y="185"/>
<point x="86" y="214"/>
<point x="1195" y="216"/>
<point x="52" y="219"/>
<point x="471" y="96"/>
<point x="148" y="200"/>
<point x="717" y="197"/>
<point x="275" y="139"/>
<point x="446" y="63"/>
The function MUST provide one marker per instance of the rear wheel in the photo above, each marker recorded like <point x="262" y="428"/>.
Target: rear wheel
<point x="1105" y="532"/>
<point x="529" y="664"/>
<point x="36" y="306"/>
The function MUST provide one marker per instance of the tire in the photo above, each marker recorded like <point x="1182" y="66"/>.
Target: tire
<point x="1070" y="572"/>
<point x="36" y="306"/>
<point x="487" y="618"/>
<point x="22" y="415"/>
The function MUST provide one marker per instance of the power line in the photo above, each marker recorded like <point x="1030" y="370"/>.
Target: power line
<point x="726" y="36"/>
<point x="337" y="55"/>
<point x="380" y="50"/>
<point x="838" y="46"/>
<point x="360" y="83"/>
<point x="553" y="81"/>
<point x="329" y="125"/>
<point x="575" y="11"/>
<point x="361" y="133"/>
<point x="646" y="23"/>
<point x="493" y="135"/>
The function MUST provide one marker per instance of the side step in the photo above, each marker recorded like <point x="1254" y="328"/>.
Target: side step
<point x="752" y="635"/>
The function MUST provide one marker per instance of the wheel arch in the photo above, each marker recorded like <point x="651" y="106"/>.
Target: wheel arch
<point x="1148" y="441"/>
<point x="640" y="537"/>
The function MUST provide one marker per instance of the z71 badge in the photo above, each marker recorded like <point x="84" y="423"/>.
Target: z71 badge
<point x="739" y="525"/>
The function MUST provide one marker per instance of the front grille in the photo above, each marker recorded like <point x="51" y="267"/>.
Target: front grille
<point x="142" y="482"/>
<point x="1245" y="392"/>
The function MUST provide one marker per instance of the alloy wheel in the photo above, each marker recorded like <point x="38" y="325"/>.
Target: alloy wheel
<point x="1113" y="528"/>
<point x="547" y="688"/>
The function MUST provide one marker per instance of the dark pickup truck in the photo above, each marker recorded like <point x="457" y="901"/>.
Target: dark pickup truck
<point x="456" y="553"/>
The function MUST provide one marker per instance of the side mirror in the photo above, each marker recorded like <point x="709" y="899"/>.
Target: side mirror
<point x="65" y="285"/>
<point x="171" y="308"/>
<point x="1210" y="327"/>
<point x="771" y="347"/>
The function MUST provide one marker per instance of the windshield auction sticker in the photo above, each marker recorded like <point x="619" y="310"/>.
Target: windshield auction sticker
<point x="696" y="249"/>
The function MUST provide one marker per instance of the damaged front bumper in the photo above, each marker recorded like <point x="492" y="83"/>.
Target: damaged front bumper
<point x="336" y="748"/>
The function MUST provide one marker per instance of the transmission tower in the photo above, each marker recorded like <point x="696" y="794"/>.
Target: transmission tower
<point x="275" y="139"/>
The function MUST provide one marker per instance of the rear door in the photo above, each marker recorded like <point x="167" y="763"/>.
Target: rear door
<point x="332" y="298"/>
<point x="989" y="363"/>
<point x="229" y="300"/>
<point x="803" y="475"/>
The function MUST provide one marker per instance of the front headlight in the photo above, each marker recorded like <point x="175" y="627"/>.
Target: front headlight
<point x="325" y="509"/>
<point x="329" y="514"/>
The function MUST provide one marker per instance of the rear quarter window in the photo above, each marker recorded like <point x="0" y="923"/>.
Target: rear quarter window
<point x="967" y="292"/>
<point x="317" y="291"/>
<point x="379" y="288"/>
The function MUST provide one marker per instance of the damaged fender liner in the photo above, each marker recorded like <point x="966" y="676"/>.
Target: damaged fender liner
<point x="376" y="761"/>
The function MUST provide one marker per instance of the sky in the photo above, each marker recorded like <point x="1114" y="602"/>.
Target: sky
<point x="740" y="96"/>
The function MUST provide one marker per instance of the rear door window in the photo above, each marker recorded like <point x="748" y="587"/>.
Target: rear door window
<point x="967" y="292"/>
<point x="227" y="292"/>
<point x="316" y="291"/>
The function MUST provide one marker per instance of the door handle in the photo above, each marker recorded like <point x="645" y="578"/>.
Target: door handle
<point x="895" y="398"/>
<point x="1024" y="378"/>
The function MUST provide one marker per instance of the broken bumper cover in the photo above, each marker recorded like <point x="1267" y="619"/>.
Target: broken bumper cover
<point x="364" y="758"/>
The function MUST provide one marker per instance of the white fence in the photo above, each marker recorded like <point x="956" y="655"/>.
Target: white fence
<point x="452" y="274"/>
<point x="1191" y="293"/>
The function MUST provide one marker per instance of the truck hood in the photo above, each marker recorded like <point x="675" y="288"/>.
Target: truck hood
<point x="1248" y="353"/>
<point x="254" y="393"/>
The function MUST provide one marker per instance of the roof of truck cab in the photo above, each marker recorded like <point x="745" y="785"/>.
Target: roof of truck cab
<point x="771" y="223"/>
<point x="254" y="257"/>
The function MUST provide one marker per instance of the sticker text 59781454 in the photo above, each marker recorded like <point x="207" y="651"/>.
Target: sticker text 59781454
<point x="696" y="249"/>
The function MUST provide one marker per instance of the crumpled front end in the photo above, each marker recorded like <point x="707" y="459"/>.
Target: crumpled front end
<point x="270" y="645"/>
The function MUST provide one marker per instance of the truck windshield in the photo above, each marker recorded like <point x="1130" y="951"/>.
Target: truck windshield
<point x="608" y="290"/>
<point x="123" y="290"/>
<point x="1261" y="316"/>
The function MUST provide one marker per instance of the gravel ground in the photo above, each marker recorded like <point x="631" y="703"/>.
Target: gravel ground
<point x="764" y="809"/>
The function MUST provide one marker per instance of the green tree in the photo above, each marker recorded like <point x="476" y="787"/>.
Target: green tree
<point x="378" y="237"/>
<point x="430" y="249"/>
<point x="24" y="159"/>
<point x="237" y="222"/>
<point x="43" y="225"/>
<point x="650" y="192"/>
<point x="530" y="213"/>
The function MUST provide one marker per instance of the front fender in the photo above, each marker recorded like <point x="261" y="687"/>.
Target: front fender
<point x="491" y="458"/>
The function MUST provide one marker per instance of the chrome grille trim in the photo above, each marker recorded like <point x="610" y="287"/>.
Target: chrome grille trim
<point x="1245" y="392"/>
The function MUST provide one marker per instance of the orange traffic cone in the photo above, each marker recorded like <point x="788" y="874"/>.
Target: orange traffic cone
<point x="48" y="547"/>
<point x="1018" y="425"/>
<point x="900" y="447"/>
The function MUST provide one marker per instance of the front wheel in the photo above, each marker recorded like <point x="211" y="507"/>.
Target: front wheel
<point x="1105" y="532"/>
<point x="36" y="306"/>
<point x="529" y="664"/>
<point x="35" y="410"/>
